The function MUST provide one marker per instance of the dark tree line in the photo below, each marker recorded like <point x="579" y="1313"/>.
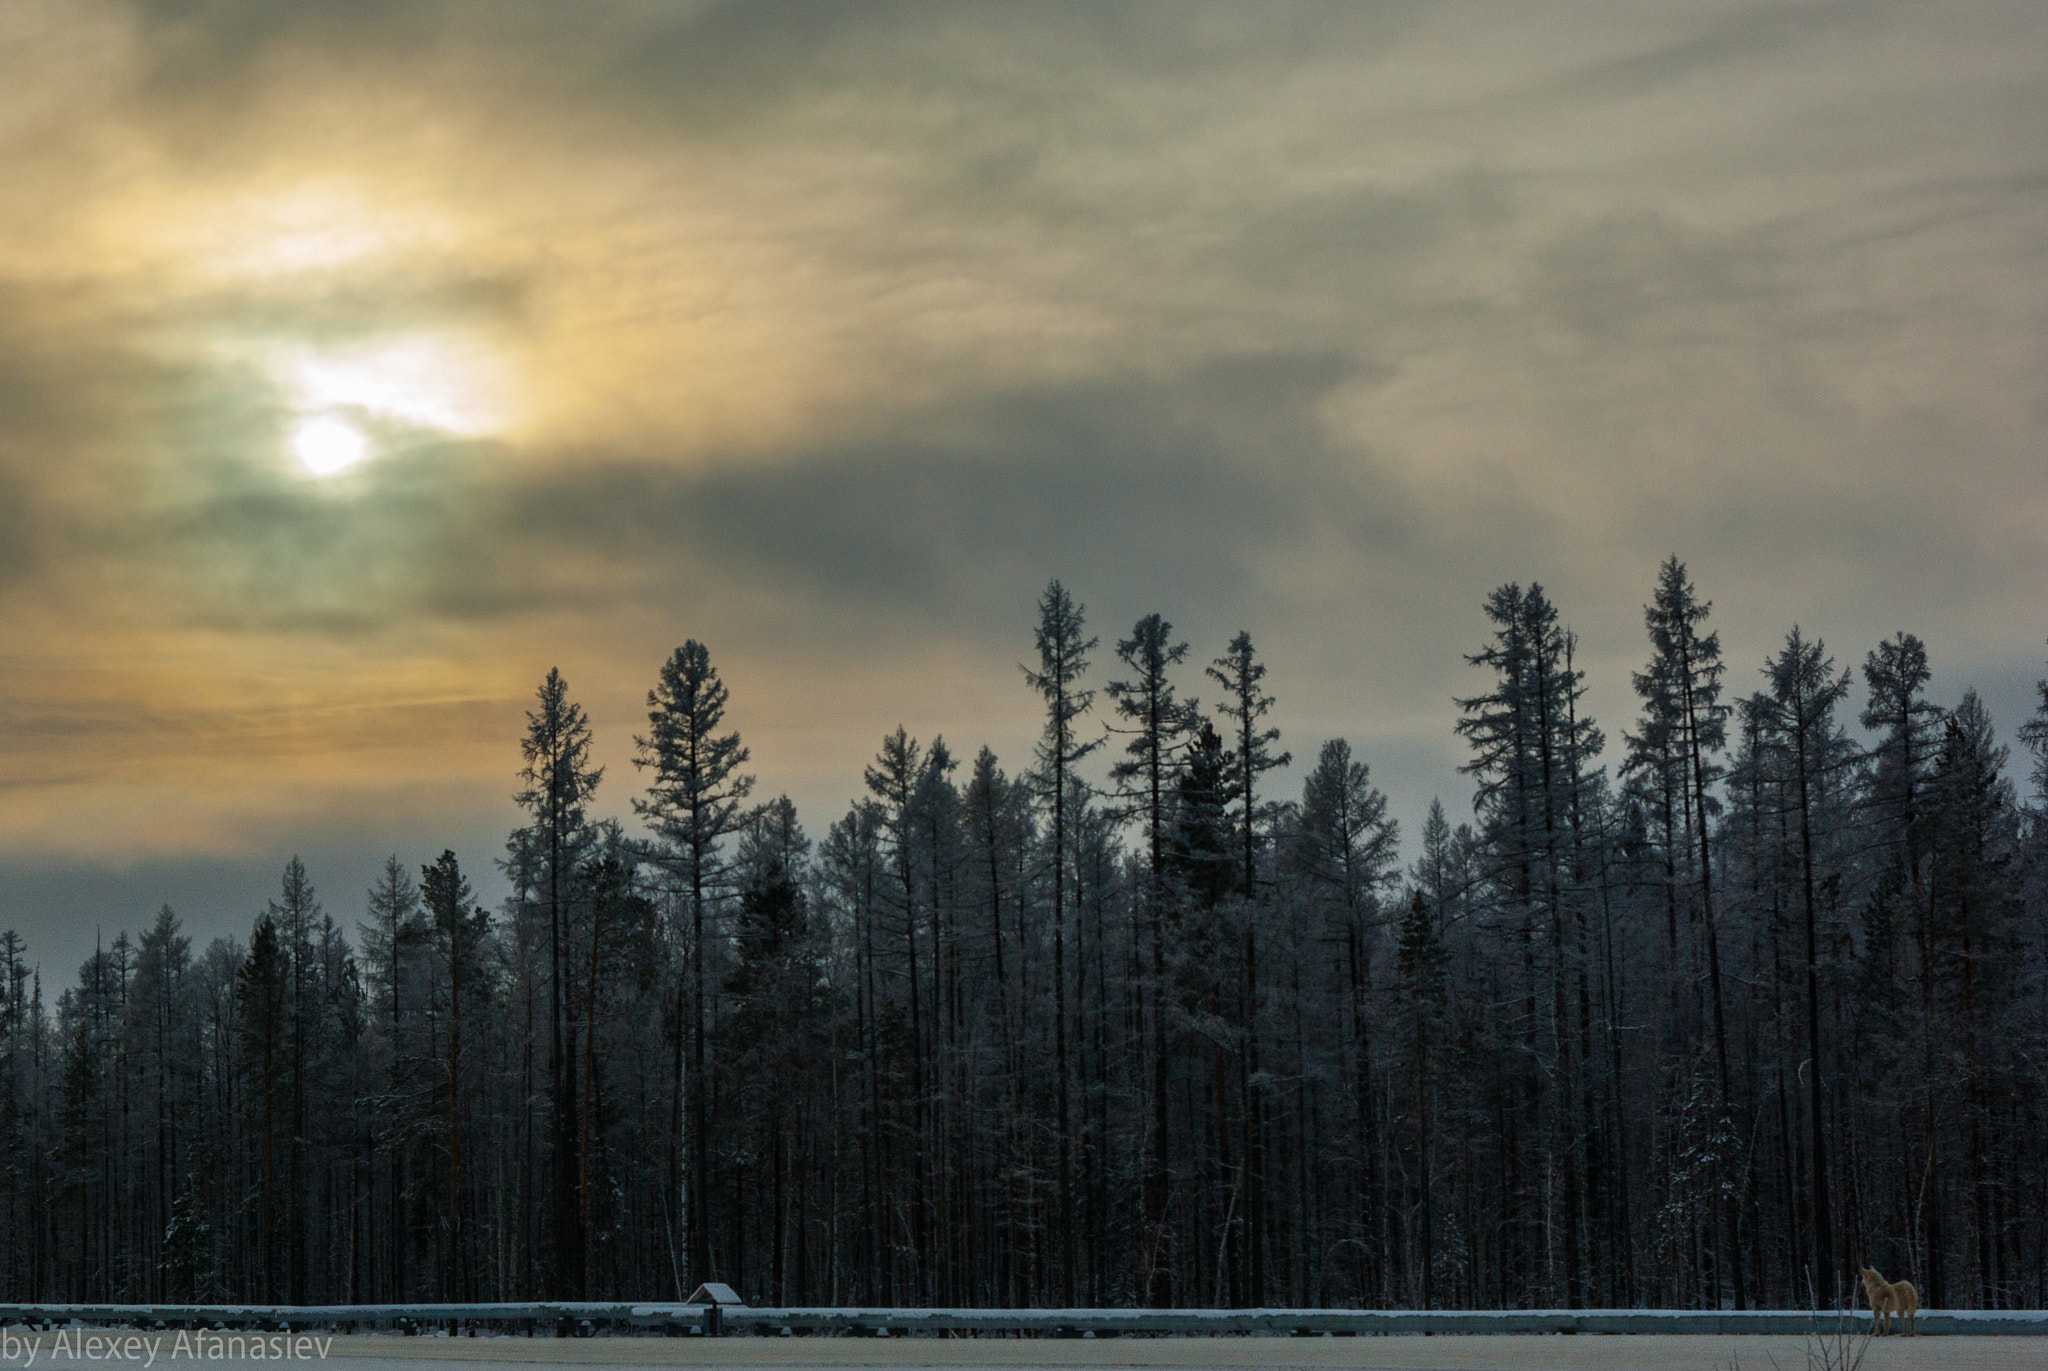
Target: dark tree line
<point x="1764" y="1001"/>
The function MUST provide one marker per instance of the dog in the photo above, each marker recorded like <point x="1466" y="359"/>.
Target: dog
<point x="1886" y="1299"/>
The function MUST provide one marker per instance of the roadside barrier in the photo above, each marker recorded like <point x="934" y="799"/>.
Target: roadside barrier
<point x="687" y="1320"/>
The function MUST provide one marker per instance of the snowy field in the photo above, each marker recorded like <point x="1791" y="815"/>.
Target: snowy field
<point x="1478" y="1353"/>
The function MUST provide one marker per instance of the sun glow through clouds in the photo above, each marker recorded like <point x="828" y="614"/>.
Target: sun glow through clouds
<point x="433" y="382"/>
<point x="348" y="401"/>
<point x="327" y="446"/>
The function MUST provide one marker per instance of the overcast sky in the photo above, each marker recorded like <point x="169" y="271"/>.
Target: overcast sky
<point x="828" y="334"/>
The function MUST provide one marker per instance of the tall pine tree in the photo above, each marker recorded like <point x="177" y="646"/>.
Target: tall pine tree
<point x="693" y="802"/>
<point x="1062" y="661"/>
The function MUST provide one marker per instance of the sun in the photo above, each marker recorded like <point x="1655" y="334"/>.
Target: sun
<point x="327" y="445"/>
<point x="354" y="403"/>
<point x="436" y="382"/>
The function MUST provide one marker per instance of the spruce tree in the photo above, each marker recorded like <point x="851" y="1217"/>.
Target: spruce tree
<point x="854" y="867"/>
<point x="1244" y="705"/>
<point x="1907" y="724"/>
<point x="1157" y="722"/>
<point x="295" y="912"/>
<point x="1804" y="694"/>
<point x="996" y="815"/>
<point x="1422" y="962"/>
<point x="391" y="936"/>
<point x="2034" y="735"/>
<point x="1347" y="843"/>
<point x="460" y="928"/>
<point x="1686" y="724"/>
<point x="693" y="802"/>
<point x="1533" y="754"/>
<point x="1972" y="909"/>
<point x="559" y="781"/>
<point x="263" y="1018"/>
<point x="1062" y="661"/>
<point x="1346" y="846"/>
<point x="895" y="780"/>
<point x="160" y="1016"/>
<point x="776" y="1017"/>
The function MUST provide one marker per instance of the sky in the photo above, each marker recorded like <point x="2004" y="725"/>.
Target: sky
<point x="360" y="362"/>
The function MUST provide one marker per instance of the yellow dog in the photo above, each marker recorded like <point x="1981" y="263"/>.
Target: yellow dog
<point x="1897" y="1297"/>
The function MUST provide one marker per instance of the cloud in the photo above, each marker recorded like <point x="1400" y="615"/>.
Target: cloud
<point x="836" y="330"/>
<point x="67" y="392"/>
<point x="1160" y="484"/>
<point x="714" y="64"/>
<point x="17" y="532"/>
<point x="1777" y="33"/>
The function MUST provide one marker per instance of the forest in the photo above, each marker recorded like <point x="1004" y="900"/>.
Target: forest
<point x="1702" y="1019"/>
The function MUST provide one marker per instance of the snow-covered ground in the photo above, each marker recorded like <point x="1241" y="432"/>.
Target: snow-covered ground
<point x="1479" y="1353"/>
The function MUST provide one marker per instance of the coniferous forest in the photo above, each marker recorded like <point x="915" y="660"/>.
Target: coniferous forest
<point x="1702" y="1017"/>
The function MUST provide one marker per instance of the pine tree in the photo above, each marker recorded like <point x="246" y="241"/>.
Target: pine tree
<point x="559" y="781"/>
<point x="1244" y="705"/>
<point x="1686" y="725"/>
<point x="1062" y="661"/>
<point x="620" y="925"/>
<point x="1896" y="674"/>
<point x="1422" y="962"/>
<point x="996" y="814"/>
<point x="777" y="1014"/>
<point x="1346" y="842"/>
<point x="1198" y="848"/>
<point x="188" y="1240"/>
<point x="895" y="780"/>
<point x="1804" y="693"/>
<point x="263" y="1016"/>
<point x="694" y="802"/>
<point x="1900" y="768"/>
<point x="1533" y="764"/>
<point x="391" y="937"/>
<point x="159" y="1023"/>
<point x="87" y="1015"/>
<point x="854" y="867"/>
<point x="1346" y="847"/>
<point x="1158" y="723"/>
<point x="1971" y="905"/>
<point x="296" y="913"/>
<point x="2034" y="735"/>
<point x="460" y="928"/>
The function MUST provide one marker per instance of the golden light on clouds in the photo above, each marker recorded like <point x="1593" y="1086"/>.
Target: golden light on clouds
<point x="349" y="403"/>
<point x="290" y="225"/>
<point x="362" y="354"/>
<point x="254" y="727"/>
<point x="316" y="225"/>
<point x="451" y="385"/>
